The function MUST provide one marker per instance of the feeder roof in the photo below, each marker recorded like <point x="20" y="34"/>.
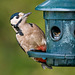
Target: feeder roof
<point x="57" y="5"/>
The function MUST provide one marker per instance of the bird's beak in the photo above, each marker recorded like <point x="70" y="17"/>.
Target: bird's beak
<point x="26" y="15"/>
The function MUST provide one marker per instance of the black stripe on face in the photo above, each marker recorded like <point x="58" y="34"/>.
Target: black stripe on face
<point x="18" y="23"/>
<point x="19" y="31"/>
<point x="15" y="26"/>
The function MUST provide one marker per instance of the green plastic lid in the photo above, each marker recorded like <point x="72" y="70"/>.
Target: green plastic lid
<point x="57" y="5"/>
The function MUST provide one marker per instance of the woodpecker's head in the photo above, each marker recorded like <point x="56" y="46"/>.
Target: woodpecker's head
<point x="18" y="18"/>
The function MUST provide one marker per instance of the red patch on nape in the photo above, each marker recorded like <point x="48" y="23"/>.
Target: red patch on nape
<point x="42" y="48"/>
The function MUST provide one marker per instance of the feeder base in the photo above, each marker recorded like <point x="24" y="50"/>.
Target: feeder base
<point x="54" y="59"/>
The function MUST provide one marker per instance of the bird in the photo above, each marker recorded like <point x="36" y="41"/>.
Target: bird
<point x="29" y="36"/>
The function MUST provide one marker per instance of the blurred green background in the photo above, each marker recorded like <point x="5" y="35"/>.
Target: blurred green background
<point x="13" y="61"/>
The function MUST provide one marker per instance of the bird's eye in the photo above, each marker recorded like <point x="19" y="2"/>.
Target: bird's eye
<point x="17" y="17"/>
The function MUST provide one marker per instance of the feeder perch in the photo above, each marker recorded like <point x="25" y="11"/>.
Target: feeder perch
<point x="59" y="18"/>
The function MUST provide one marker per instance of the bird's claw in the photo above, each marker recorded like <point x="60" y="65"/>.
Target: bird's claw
<point x="44" y="66"/>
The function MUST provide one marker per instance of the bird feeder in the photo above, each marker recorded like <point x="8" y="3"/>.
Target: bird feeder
<point x="59" y="18"/>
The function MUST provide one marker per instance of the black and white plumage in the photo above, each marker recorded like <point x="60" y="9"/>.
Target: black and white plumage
<point x="28" y="35"/>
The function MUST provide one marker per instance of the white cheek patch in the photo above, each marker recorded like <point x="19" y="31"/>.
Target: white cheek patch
<point x="14" y="21"/>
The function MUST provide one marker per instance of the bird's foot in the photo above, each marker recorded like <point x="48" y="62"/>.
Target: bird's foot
<point x="44" y="66"/>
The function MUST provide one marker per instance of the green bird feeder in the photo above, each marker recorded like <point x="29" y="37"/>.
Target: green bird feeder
<point x="59" y="18"/>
